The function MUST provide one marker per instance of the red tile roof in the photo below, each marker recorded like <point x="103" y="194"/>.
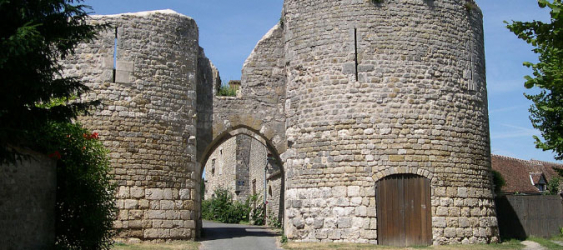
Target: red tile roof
<point x="519" y="174"/>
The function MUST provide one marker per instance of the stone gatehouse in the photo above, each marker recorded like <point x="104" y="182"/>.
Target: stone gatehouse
<point x="367" y="106"/>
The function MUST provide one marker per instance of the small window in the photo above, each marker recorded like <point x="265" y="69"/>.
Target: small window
<point x="270" y="190"/>
<point x="254" y="187"/>
<point x="541" y="187"/>
<point x="212" y="167"/>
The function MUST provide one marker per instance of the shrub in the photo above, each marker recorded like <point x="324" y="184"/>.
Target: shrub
<point x="222" y="208"/>
<point x="85" y="207"/>
<point x="273" y="221"/>
<point x="498" y="182"/>
<point x="227" y="91"/>
<point x="258" y="215"/>
<point x="553" y="186"/>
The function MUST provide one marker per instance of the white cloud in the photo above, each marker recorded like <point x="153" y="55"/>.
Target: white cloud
<point x="513" y="131"/>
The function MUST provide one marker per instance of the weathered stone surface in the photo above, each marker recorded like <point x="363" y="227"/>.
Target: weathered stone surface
<point x="27" y="202"/>
<point x="344" y="98"/>
<point x="147" y="116"/>
<point x="415" y="104"/>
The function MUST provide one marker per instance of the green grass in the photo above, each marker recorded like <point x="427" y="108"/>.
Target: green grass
<point x="176" y="245"/>
<point x="547" y="243"/>
<point x="513" y="244"/>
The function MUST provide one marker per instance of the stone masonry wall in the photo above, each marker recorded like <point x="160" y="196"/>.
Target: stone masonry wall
<point x="376" y="89"/>
<point x="243" y="168"/>
<point x="147" y="118"/>
<point x="27" y="202"/>
<point x="220" y="169"/>
<point x="260" y="106"/>
<point x="343" y="93"/>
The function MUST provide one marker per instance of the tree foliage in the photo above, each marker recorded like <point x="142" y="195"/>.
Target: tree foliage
<point x="34" y="36"/>
<point x="553" y="185"/>
<point x="546" y="112"/>
<point x="498" y="182"/>
<point x="222" y="208"/>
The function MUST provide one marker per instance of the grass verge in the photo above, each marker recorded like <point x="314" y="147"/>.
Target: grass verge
<point x="176" y="245"/>
<point x="513" y="244"/>
<point x="548" y="243"/>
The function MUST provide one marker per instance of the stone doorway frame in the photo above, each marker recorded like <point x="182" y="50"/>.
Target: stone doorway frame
<point x="220" y="139"/>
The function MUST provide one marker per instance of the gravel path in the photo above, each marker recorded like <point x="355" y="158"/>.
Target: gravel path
<point x="220" y="236"/>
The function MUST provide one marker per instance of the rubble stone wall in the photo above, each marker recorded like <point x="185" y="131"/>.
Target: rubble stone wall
<point x="147" y="118"/>
<point x="376" y="89"/>
<point x="220" y="169"/>
<point x="28" y="191"/>
<point x="343" y="93"/>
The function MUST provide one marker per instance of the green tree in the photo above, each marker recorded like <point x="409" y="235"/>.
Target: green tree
<point x="498" y="182"/>
<point x="553" y="186"/>
<point x="34" y="36"/>
<point x="546" y="112"/>
<point x="37" y="110"/>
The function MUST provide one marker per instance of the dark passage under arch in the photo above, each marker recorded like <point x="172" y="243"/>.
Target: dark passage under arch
<point x="403" y="210"/>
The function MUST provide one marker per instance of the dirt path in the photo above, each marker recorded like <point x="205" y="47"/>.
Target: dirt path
<point x="530" y="245"/>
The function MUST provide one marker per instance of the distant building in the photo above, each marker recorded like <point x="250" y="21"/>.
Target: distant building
<point x="239" y="165"/>
<point x="523" y="176"/>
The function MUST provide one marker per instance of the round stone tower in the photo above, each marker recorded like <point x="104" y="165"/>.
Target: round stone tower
<point x="143" y="71"/>
<point x="387" y="123"/>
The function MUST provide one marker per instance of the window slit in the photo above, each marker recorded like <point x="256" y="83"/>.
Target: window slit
<point x="114" y="55"/>
<point x="356" y="52"/>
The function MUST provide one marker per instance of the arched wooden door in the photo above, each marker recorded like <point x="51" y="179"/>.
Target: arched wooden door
<point x="403" y="210"/>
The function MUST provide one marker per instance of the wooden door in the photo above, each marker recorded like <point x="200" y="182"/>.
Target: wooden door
<point x="403" y="211"/>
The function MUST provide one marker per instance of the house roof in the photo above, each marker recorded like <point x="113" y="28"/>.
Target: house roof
<point x="521" y="175"/>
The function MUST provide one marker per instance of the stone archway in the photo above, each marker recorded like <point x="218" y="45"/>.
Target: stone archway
<point x="274" y="167"/>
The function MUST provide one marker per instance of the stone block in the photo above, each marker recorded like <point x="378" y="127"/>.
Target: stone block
<point x="361" y="211"/>
<point x="353" y="191"/>
<point x="155" y="214"/>
<point x="123" y="215"/>
<point x="344" y="222"/>
<point x="122" y="76"/>
<point x="334" y="234"/>
<point x="349" y="68"/>
<point x="137" y="192"/>
<point x="154" y="194"/>
<point x="156" y="233"/>
<point x="450" y="232"/>
<point x="168" y="194"/>
<point x="124" y="66"/>
<point x="185" y="194"/>
<point x="439" y="222"/>
<point x="144" y="204"/>
<point x="355" y="201"/>
<point x="180" y="233"/>
<point x="166" y="205"/>
<point x="131" y="204"/>
<point x="298" y="223"/>
<point x="442" y="211"/>
<point x="173" y="215"/>
<point x="123" y="193"/>
<point x="339" y="191"/>
<point x="396" y="158"/>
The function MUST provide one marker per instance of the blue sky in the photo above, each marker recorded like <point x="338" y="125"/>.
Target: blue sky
<point x="229" y="30"/>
